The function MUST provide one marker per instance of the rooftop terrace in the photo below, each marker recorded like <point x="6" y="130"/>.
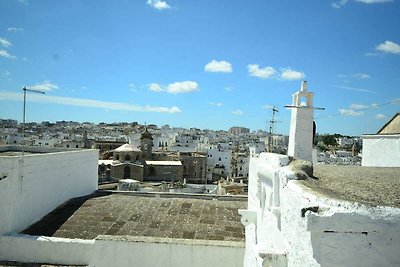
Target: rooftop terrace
<point x="375" y="186"/>
<point x="105" y="213"/>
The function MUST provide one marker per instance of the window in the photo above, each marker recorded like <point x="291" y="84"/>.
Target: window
<point x="77" y="146"/>
<point x="127" y="157"/>
<point x="219" y="159"/>
<point x="117" y="157"/>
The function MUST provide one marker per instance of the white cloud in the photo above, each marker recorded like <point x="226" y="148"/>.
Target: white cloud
<point x="373" y="1"/>
<point x="389" y="47"/>
<point x="355" y="89"/>
<point x="229" y="88"/>
<point x="350" y="112"/>
<point x="88" y="103"/>
<point x="362" y="76"/>
<point x="380" y="117"/>
<point x="13" y="29"/>
<point x="4" y="42"/>
<point x="4" y="53"/>
<point x="267" y="106"/>
<point x="44" y="86"/>
<point x="158" y="4"/>
<point x="358" y="106"/>
<point x="218" y="66"/>
<point x="339" y="4"/>
<point x="263" y="73"/>
<point x="7" y="73"/>
<point x="358" y="75"/>
<point x="182" y="87"/>
<point x="237" y="112"/>
<point x="395" y="101"/>
<point x="155" y="87"/>
<point x="175" y="88"/>
<point x="289" y="74"/>
<point x="217" y="104"/>
<point x="132" y="87"/>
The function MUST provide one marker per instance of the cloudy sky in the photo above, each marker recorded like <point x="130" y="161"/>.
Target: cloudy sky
<point x="206" y="64"/>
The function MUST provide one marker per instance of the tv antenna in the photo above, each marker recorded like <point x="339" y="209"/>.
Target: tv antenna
<point x="272" y="128"/>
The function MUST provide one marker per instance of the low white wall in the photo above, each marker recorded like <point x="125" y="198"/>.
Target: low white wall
<point x="33" y="186"/>
<point x="150" y="252"/>
<point x="122" y="251"/>
<point x="40" y="249"/>
<point x="381" y="150"/>
<point x="288" y="224"/>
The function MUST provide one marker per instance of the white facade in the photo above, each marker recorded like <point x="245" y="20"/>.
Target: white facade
<point x="301" y="125"/>
<point x="288" y="224"/>
<point x="243" y="161"/>
<point x="219" y="161"/>
<point x="381" y="150"/>
<point x="32" y="186"/>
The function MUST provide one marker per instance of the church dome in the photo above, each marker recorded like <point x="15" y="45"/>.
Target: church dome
<point x="127" y="148"/>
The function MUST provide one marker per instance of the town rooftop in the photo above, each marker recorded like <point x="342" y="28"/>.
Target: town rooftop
<point x="377" y="186"/>
<point x="149" y="215"/>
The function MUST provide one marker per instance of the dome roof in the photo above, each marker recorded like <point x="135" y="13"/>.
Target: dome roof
<point x="127" y="148"/>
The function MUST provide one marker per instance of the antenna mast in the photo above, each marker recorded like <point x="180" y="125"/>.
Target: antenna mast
<point x="272" y="128"/>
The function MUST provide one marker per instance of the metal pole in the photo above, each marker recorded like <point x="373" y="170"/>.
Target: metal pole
<point x="23" y="124"/>
<point x="23" y="119"/>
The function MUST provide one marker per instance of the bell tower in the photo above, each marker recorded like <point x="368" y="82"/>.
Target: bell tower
<point x="146" y="145"/>
<point x="301" y="124"/>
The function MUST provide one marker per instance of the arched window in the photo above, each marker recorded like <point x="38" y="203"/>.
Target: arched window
<point x="137" y="157"/>
<point x="127" y="157"/>
<point x="127" y="172"/>
<point x="117" y="157"/>
<point x="152" y="171"/>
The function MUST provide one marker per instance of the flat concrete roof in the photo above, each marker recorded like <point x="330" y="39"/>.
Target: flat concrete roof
<point x="377" y="186"/>
<point x="118" y="214"/>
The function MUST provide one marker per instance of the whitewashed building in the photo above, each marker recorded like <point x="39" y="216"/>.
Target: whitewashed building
<point x="383" y="149"/>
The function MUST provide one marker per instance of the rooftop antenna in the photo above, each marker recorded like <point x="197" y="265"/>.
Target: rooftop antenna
<point x="23" y="119"/>
<point x="272" y="128"/>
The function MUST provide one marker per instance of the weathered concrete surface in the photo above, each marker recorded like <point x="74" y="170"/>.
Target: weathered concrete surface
<point x="120" y="214"/>
<point x="376" y="186"/>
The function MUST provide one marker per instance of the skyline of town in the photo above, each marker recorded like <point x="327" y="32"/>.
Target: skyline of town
<point x="208" y="65"/>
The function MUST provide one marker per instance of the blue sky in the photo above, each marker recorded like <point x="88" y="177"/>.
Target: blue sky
<point x="205" y="64"/>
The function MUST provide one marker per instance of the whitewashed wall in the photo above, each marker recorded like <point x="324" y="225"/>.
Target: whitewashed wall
<point x="122" y="251"/>
<point x="381" y="150"/>
<point x="32" y="187"/>
<point x="282" y="229"/>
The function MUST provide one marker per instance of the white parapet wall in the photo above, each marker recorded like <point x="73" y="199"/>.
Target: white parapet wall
<point x="381" y="150"/>
<point x="33" y="185"/>
<point x="288" y="224"/>
<point x="121" y="251"/>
